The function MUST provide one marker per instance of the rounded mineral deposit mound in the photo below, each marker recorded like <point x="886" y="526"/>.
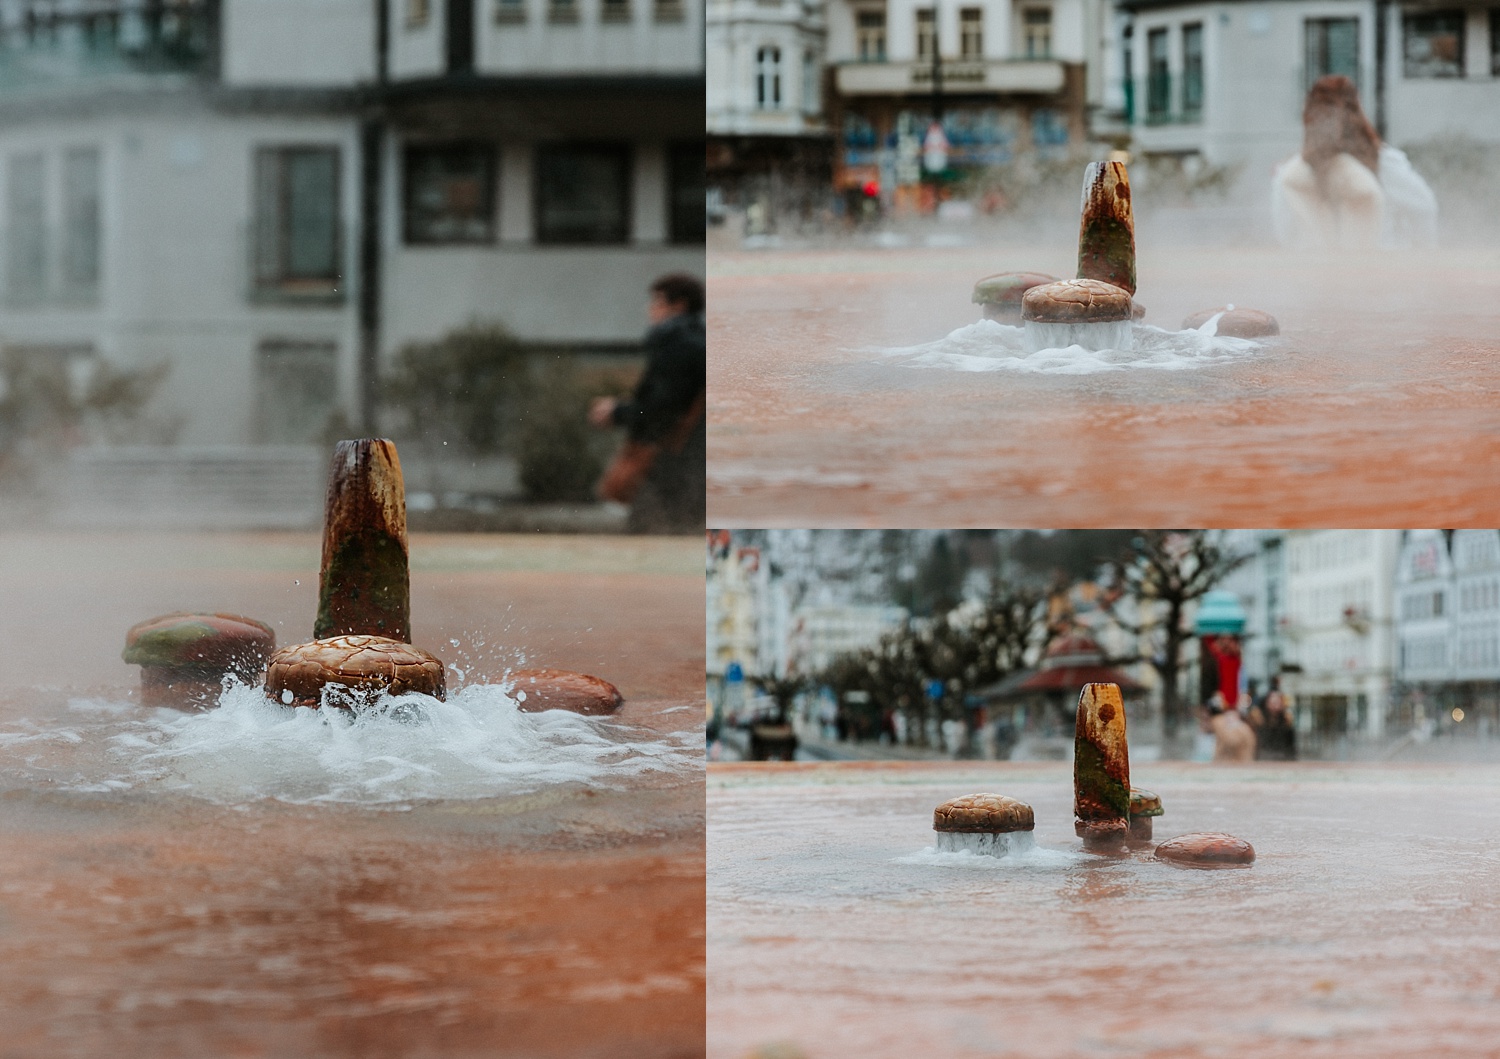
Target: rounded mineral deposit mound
<point x="557" y="689"/>
<point x="1235" y="323"/>
<point x="1144" y="807"/>
<point x="1071" y="301"/>
<point x="988" y="824"/>
<point x="365" y="665"/>
<point x="184" y="656"/>
<point x="1000" y="295"/>
<point x="1077" y="312"/>
<point x="1206" y="849"/>
<point x="992" y="813"/>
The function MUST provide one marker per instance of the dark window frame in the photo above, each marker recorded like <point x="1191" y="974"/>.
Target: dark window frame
<point x="489" y="153"/>
<point x="1424" y="22"/>
<point x="1192" y="72"/>
<point x="624" y="156"/>
<point x="283" y="279"/>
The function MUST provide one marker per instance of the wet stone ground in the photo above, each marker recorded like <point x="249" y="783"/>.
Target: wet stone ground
<point x="152" y="910"/>
<point x="1379" y="404"/>
<point x="1368" y="926"/>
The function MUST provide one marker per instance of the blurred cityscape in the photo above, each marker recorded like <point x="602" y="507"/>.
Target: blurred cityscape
<point x="975" y="643"/>
<point x="234" y="230"/>
<point x="842" y="116"/>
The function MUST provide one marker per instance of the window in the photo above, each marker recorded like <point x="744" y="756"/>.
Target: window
<point x="80" y="248"/>
<point x="562" y="11"/>
<point x="297" y="220"/>
<point x="1332" y="47"/>
<point x="1192" y="71"/>
<point x="685" y="208"/>
<point x="1158" y="79"/>
<point x="450" y="193"/>
<point x="768" y="79"/>
<point x="869" y="30"/>
<point x="296" y="383"/>
<point x="583" y="193"/>
<point x="614" y="11"/>
<point x="510" y="11"/>
<point x="1434" y="44"/>
<point x="810" y="82"/>
<point x="1495" y="42"/>
<point x="971" y="33"/>
<point x="1127" y="64"/>
<point x="926" y="34"/>
<point x="26" y="262"/>
<point x="1036" y="32"/>
<point x="417" y="13"/>
<point x="668" y="11"/>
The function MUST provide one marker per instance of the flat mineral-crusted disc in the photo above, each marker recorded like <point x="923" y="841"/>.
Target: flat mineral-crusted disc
<point x="987" y="813"/>
<point x="297" y="674"/>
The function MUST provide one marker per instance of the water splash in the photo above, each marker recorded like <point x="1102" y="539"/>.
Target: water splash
<point x="477" y="744"/>
<point x="991" y="346"/>
<point x="990" y="845"/>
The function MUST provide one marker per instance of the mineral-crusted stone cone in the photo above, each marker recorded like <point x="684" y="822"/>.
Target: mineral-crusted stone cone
<point x="1144" y="807"/>
<point x="365" y="584"/>
<point x="558" y="689"/>
<point x="1101" y="763"/>
<point x="983" y="814"/>
<point x="1106" y="231"/>
<point x="364" y="665"/>
<point x="1207" y="849"/>
<point x="184" y="657"/>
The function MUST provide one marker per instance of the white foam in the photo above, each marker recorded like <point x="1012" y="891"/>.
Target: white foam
<point x="477" y="744"/>
<point x="1031" y="856"/>
<point x="991" y="346"/>
<point x="1115" y="334"/>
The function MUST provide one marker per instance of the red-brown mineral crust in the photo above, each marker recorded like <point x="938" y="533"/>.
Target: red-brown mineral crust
<point x="184" y="656"/>
<point x="983" y="814"/>
<point x="558" y="689"/>
<point x="1076" y="301"/>
<point x="1236" y="323"/>
<point x="1206" y="849"/>
<point x="1001" y="294"/>
<point x="363" y="664"/>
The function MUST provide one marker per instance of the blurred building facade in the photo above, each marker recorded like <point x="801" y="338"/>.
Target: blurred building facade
<point x="1222" y="84"/>
<point x="768" y="145"/>
<point x="1006" y="77"/>
<point x="274" y="195"/>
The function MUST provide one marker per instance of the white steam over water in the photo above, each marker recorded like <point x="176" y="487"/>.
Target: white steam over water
<point x="991" y="346"/>
<point x="477" y="744"/>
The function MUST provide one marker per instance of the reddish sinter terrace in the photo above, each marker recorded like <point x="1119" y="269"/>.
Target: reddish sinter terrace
<point x="156" y="914"/>
<point x="1379" y="403"/>
<point x="1366" y="927"/>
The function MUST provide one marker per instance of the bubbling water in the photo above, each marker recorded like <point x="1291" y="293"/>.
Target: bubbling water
<point x="990" y="346"/>
<point x="1111" y="334"/>
<point x="403" y="749"/>
<point x="986" y="843"/>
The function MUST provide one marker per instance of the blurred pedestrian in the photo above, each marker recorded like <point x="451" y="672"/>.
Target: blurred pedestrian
<point x="1276" y="736"/>
<point x="659" y="470"/>
<point x="1234" y="740"/>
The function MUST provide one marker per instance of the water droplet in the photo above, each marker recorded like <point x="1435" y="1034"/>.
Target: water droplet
<point x="286" y="696"/>
<point x="295" y="581"/>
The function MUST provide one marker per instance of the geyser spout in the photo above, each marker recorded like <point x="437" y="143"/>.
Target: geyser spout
<point x="1106" y="231"/>
<point x="1101" y="767"/>
<point x="364" y="586"/>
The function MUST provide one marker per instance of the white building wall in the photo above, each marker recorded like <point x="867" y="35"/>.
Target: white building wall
<point x="589" y="46"/>
<point x="175" y="278"/>
<point x="1425" y="609"/>
<point x="1425" y="108"/>
<point x="737" y="31"/>
<point x="298" y="42"/>
<point x="1339" y="589"/>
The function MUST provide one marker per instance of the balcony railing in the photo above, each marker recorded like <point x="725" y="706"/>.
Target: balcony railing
<point x="42" y="43"/>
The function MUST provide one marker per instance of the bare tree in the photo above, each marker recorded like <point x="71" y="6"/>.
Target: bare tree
<point x="1163" y="571"/>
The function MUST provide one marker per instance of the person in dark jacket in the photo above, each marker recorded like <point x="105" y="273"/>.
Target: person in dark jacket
<point x="666" y="411"/>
